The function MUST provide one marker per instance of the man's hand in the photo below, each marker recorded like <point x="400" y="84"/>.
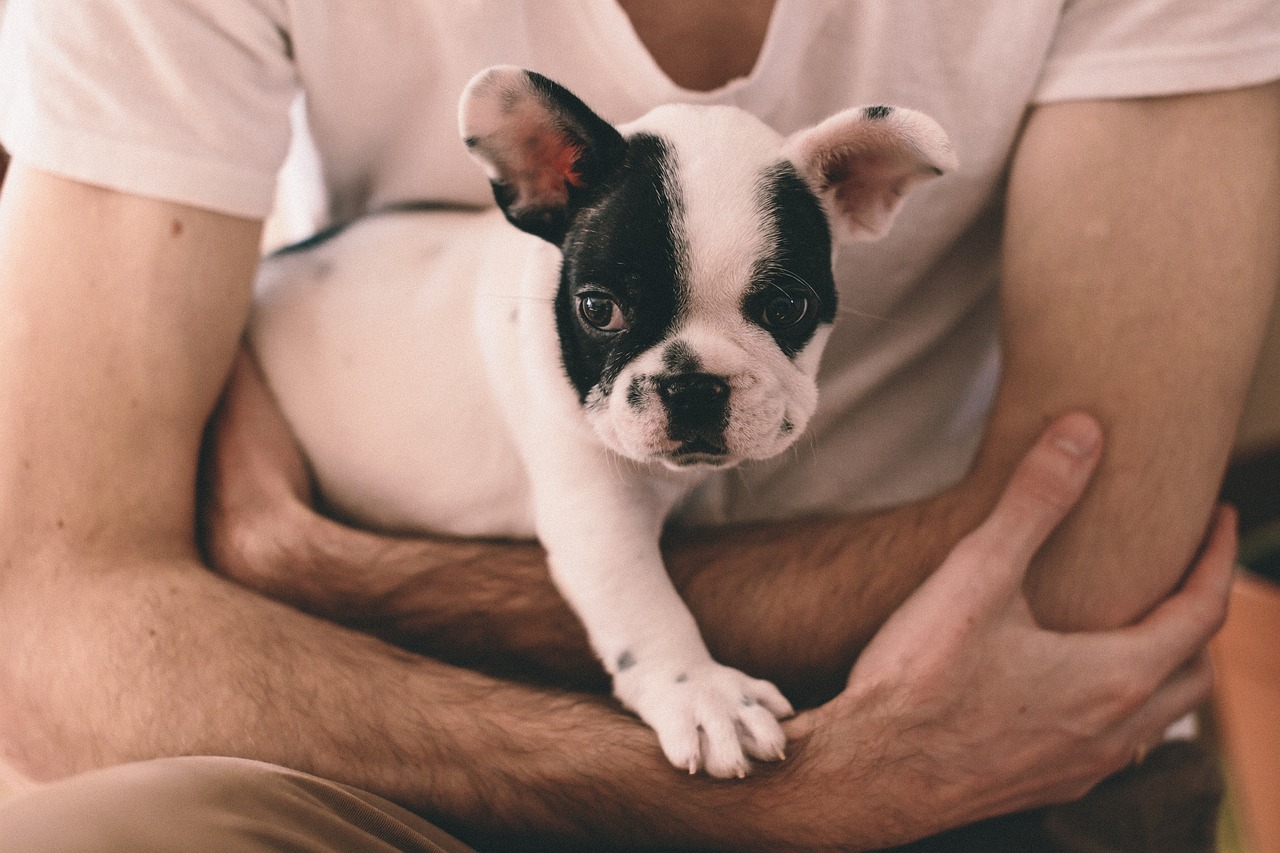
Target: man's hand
<point x="974" y="709"/>
<point x="253" y="483"/>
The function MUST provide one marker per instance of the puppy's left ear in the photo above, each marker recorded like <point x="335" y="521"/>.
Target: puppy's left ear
<point x="544" y="151"/>
<point x="863" y="162"/>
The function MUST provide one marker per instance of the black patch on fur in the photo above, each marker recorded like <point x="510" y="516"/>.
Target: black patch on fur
<point x="623" y="244"/>
<point x="877" y="112"/>
<point x="801" y="261"/>
<point x="682" y="678"/>
<point x="626" y="660"/>
<point x="635" y="392"/>
<point x="787" y="426"/>
<point x="678" y="358"/>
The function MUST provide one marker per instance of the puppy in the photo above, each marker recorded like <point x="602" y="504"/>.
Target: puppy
<point x="656" y="313"/>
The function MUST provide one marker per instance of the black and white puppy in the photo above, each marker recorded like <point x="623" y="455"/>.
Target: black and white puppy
<point x="657" y="313"/>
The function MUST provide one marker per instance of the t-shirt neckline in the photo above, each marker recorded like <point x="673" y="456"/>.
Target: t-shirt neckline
<point x="642" y="73"/>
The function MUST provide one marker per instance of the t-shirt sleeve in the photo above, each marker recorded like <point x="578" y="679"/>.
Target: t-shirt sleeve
<point x="1147" y="48"/>
<point x="184" y="100"/>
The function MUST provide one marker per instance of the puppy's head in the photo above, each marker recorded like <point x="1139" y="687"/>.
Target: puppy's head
<point x="696" y="293"/>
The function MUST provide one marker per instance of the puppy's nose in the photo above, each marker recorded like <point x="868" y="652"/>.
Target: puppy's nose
<point x="693" y="390"/>
<point x="697" y="402"/>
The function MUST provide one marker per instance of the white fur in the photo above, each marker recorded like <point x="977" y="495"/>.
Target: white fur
<point x="416" y="358"/>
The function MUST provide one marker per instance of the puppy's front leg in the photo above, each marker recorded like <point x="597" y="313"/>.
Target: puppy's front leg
<point x="602" y="545"/>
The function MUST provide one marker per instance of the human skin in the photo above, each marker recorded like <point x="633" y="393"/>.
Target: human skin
<point x="121" y="320"/>
<point x="148" y="653"/>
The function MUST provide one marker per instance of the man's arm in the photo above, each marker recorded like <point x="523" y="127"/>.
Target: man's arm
<point x="121" y="317"/>
<point x="1140" y="263"/>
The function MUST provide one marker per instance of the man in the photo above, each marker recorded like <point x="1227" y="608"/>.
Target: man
<point x="1137" y="263"/>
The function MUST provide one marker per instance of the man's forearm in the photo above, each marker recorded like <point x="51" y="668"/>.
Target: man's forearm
<point x="185" y="663"/>
<point x="167" y="659"/>
<point x="790" y="601"/>
<point x="149" y="657"/>
<point x="483" y="604"/>
<point x="798" y="600"/>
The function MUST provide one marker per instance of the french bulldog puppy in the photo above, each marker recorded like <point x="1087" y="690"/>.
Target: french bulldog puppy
<point x="656" y="313"/>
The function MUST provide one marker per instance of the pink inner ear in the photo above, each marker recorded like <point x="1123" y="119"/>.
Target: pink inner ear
<point x="868" y="180"/>
<point x="865" y="160"/>
<point x="540" y="147"/>
<point x="566" y="164"/>
<point x="864" y="187"/>
<point x="544" y="160"/>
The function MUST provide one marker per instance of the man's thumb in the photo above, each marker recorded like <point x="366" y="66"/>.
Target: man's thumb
<point x="1045" y="486"/>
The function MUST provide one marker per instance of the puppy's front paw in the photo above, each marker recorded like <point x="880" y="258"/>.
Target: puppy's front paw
<point x="708" y="717"/>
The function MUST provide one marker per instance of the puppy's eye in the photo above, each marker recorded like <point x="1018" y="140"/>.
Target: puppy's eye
<point x="784" y="309"/>
<point x="601" y="311"/>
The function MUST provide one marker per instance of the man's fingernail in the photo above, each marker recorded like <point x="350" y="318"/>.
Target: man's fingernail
<point x="1072" y="446"/>
<point x="1080" y="439"/>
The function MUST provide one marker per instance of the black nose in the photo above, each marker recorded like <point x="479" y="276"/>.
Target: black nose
<point x="697" y="403"/>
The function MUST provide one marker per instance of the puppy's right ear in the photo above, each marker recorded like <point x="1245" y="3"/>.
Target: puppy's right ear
<point x="545" y="153"/>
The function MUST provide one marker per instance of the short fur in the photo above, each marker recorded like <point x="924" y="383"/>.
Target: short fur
<point x="657" y="313"/>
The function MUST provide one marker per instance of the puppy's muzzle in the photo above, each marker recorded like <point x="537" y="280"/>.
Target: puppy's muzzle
<point x="697" y="413"/>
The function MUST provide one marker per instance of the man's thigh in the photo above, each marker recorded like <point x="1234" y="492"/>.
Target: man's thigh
<point x="210" y="804"/>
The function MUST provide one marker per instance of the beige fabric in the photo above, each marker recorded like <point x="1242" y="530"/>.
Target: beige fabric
<point x="214" y="805"/>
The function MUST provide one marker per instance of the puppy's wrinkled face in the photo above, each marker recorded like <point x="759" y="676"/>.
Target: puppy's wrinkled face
<point x="696" y="294"/>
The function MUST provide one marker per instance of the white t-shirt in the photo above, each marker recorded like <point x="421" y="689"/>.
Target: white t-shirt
<point x="189" y="100"/>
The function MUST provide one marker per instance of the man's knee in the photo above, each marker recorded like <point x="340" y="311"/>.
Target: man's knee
<point x="210" y="804"/>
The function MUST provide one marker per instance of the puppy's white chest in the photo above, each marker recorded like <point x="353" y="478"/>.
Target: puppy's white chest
<point x="373" y="346"/>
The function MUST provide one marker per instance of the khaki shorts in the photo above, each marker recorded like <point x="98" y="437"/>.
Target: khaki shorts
<point x="217" y="805"/>
<point x="210" y="805"/>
